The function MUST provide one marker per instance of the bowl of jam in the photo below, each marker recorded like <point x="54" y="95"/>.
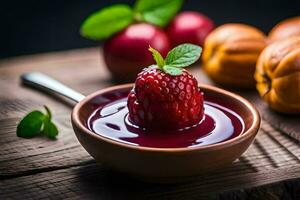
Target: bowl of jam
<point x="102" y="125"/>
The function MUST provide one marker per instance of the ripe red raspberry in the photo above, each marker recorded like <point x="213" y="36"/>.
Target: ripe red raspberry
<point x="160" y="100"/>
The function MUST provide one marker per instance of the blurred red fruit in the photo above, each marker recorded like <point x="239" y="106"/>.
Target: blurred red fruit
<point x="189" y="27"/>
<point x="126" y="53"/>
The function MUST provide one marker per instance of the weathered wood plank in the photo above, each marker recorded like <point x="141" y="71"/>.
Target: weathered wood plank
<point x="90" y="181"/>
<point x="288" y="124"/>
<point x="284" y="190"/>
<point x="20" y="156"/>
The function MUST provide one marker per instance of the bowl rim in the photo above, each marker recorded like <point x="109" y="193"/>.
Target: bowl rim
<point x="253" y="129"/>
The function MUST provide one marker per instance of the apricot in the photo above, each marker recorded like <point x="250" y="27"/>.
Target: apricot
<point x="285" y="29"/>
<point x="230" y="54"/>
<point x="278" y="75"/>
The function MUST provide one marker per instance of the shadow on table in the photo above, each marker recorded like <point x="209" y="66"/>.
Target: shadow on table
<point x="99" y="182"/>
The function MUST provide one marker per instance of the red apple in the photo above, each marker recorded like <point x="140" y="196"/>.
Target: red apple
<point x="189" y="27"/>
<point x="126" y="53"/>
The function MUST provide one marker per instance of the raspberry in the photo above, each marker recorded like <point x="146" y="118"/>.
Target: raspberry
<point x="160" y="100"/>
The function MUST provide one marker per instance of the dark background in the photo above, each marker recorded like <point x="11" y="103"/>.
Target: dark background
<point x="32" y="26"/>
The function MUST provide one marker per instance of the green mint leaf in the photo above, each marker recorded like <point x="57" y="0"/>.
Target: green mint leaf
<point x="158" y="12"/>
<point x="174" y="71"/>
<point x="30" y="125"/>
<point x="35" y="123"/>
<point x="183" y="55"/>
<point x="157" y="57"/>
<point x="50" y="130"/>
<point x="106" y="22"/>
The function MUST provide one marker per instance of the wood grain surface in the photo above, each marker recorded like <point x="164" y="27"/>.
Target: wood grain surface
<point x="40" y="168"/>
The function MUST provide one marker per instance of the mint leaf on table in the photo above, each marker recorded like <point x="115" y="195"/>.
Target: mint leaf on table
<point x="50" y="130"/>
<point x="106" y="22"/>
<point x="37" y="123"/>
<point x="30" y="125"/>
<point x="181" y="56"/>
<point x="157" y="12"/>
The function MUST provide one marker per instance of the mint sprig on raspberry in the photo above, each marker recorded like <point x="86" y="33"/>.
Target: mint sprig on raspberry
<point x="179" y="57"/>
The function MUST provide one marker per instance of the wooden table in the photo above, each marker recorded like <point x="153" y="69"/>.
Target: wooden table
<point x="41" y="168"/>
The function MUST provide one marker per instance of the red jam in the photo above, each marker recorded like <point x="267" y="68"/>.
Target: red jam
<point x="110" y="120"/>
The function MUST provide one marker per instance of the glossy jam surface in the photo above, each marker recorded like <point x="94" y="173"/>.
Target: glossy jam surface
<point x="110" y="119"/>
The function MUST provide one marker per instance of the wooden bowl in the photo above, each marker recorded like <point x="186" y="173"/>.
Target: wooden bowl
<point x="160" y="164"/>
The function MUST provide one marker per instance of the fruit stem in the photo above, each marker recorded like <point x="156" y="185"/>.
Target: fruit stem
<point x="160" y="62"/>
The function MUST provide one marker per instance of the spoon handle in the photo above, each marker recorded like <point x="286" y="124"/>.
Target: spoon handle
<point x="49" y="85"/>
